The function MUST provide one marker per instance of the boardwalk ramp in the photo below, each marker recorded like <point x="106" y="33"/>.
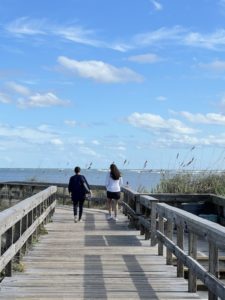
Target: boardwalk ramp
<point x="95" y="259"/>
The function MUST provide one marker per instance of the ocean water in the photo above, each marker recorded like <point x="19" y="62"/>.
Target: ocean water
<point x="141" y="180"/>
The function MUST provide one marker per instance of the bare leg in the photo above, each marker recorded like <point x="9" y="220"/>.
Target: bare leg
<point x="115" y="202"/>
<point x="109" y="202"/>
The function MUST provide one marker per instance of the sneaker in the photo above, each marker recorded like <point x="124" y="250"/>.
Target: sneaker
<point x="75" y="219"/>
<point x="109" y="217"/>
<point x="115" y="218"/>
<point x="80" y="220"/>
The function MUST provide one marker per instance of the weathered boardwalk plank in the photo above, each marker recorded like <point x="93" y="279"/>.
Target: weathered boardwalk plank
<point x="96" y="259"/>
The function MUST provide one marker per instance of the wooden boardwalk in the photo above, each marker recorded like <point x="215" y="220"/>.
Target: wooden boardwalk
<point x="95" y="259"/>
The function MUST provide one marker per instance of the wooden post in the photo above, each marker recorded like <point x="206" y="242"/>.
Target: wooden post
<point x="169" y="235"/>
<point x="180" y="244"/>
<point x="24" y="228"/>
<point x="30" y="222"/>
<point x="153" y="223"/>
<point x="137" y="210"/>
<point x="192" y="251"/>
<point x="16" y="236"/>
<point x="9" y="241"/>
<point x="213" y="265"/>
<point x="161" y="229"/>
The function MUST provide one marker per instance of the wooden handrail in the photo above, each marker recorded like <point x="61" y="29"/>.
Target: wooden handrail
<point x="157" y="221"/>
<point x="20" y="222"/>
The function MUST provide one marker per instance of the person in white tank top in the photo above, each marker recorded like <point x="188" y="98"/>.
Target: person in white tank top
<point x="113" y="184"/>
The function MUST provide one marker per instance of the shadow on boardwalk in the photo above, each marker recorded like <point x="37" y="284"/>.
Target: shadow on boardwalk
<point x="96" y="259"/>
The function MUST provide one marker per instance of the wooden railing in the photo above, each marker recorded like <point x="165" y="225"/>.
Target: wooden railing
<point x="20" y="224"/>
<point x="160" y="222"/>
<point x="17" y="191"/>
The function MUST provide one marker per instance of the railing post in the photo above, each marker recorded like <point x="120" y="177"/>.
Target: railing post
<point x="9" y="241"/>
<point x="30" y="222"/>
<point x="137" y="210"/>
<point x="153" y="222"/>
<point x="192" y="251"/>
<point x="213" y="266"/>
<point x="24" y="228"/>
<point x="16" y="236"/>
<point x="169" y="235"/>
<point x="180" y="244"/>
<point x="161" y="229"/>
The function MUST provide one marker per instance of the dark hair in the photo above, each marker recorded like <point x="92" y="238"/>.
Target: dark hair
<point x="114" y="172"/>
<point x="77" y="170"/>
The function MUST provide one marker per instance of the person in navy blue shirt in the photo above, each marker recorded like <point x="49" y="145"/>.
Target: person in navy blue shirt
<point x="78" y="188"/>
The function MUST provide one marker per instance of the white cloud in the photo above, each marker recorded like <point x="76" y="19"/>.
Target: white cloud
<point x="156" y="123"/>
<point x="41" y="100"/>
<point x="78" y="34"/>
<point x="4" y="98"/>
<point x="213" y="40"/>
<point x="182" y="36"/>
<point x="161" y="98"/>
<point x="25" y="26"/>
<point x="175" y="141"/>
<point x="209" y="118"/>
<point x="95" y="142"/>
<point x="98" y="71"/>
<point x="162" y="34"/>
<point x="56" y="141"/>
<point x="28" y="98"/>
<point x="27" y="134"/>
<point x="18" y="88"/>
<point x="88" y="151"/>
<point x="70" y="123"/>
<point x="216" y="65"/>
<point x="157" y="5"/>
<point x="145" y="58"/>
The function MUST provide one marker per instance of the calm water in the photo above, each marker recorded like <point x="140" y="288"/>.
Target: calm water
<point x="137" y="179"/>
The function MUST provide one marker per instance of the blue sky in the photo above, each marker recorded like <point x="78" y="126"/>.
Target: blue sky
<point x="89" y="82"/>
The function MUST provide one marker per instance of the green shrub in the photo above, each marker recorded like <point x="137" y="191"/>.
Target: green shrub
<point x="189" y="183"/>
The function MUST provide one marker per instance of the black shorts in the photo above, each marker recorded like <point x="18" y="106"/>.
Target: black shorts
<point x="113" y="195"/>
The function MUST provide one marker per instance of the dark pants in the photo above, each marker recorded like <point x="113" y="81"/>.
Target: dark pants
<point x="76" y="203"/>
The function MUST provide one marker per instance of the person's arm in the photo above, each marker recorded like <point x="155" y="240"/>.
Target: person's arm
<point x="70" y="186"/>
<point x="85" y="181"/>
<point x="121" y="181"/>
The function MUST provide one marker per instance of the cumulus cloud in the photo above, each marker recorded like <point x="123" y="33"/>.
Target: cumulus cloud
<point x="28" y="98"/>
<point x="4" y="98"/>
<point x="41" y="100"/>
<point x="145" y="58"/>
<point x="156" y="123"/>
<point x="209" y="118"/>
<point x="98" y="71"/>
<point x="216" y="65"/>
<point x="18" y="88"/>
<point x="187" y="140"/>
<point x="29" y="135"/>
